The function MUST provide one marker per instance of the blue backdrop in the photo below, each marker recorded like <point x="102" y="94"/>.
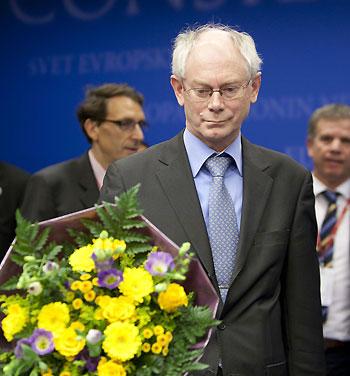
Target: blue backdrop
<point x="51" y="50"/>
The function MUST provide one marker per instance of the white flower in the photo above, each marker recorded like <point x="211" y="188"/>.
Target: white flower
<point x="93" y="336"/>
<point x="35" y="288"/>
<point x="49" y="267"/>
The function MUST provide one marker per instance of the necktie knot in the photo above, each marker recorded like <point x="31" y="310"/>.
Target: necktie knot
<point x="217" y="166"/>
<point x="330" y="196"/>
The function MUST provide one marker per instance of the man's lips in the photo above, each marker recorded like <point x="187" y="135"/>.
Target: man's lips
<point x="132" y="149"/>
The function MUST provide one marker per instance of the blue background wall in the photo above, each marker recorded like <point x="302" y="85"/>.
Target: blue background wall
<point x="51" y="50"/>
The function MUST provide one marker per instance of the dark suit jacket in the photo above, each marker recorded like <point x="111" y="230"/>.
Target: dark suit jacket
<point x="60" y="189"/>
<point x="13" y="181"/>
<point x="271" y="322"/>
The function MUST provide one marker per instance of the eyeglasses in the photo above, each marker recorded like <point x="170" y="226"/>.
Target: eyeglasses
<point x="127" y="125"/>
<point x="202" y="94"/>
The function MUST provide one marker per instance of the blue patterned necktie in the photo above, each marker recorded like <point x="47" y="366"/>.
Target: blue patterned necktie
<point x="222" y="226"/>
<point x="325" y="243"/>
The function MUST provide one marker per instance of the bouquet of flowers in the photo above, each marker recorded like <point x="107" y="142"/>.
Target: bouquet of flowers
<point x="109" y="302"/>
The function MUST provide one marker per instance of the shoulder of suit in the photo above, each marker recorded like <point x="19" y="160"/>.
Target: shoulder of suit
<point x="149" y="155"/>
<point x="272" y="158"/>
<point x="63" y="169"/>
<point x="13" y="173"/>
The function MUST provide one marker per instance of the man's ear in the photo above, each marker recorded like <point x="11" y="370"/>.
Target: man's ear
<point x="178" y="89"/>
<point x="91" y="129"/>
<point x="309" y="147"/>
<point x="255" y="86"/>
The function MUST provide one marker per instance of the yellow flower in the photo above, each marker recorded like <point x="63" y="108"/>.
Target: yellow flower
<point x="147" y="333"/>
<point x="137" y="283"/>
<point x="77" y="303"/>
<point x="146" y="347"/>
<point x="110" y="368"/>
<point x="48" y="372"/>
<point x="53" y="317"/>
<point x="158" y="330"/>
<point x="122" y="341"/>
<point x="81" y="261"/>
<point x="86" y="286"/>
<point x="69" y="343"/>
<point x="65" y="373"/>
<point x="77" y="325"/>
<point x="90" y="296"/>
<point x="169" y="336"/>
<point x="85" y="276"/>
<point x="98" y="314"/>
<point x="173" y="298"/>
<point x="162" y="339"/>
<point x="156" y="348"/>
<point x="165" y="351"/>
<point x="118" y="309"/>
<point x="69" y="296"/>
<point x="15" y="321"/>
<point x="95" y="281"/>
<point x="75" y="285"/>
<point x="102" y="300"/>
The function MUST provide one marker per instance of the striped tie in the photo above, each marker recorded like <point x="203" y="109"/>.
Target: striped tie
<point x="326" y="237"/>
<point x="325" y="244"/>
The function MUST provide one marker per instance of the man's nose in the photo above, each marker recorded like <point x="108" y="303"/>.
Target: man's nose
<point x="336" y="144"/>
<point x="137" y="133"/>
<point x="216" y="102"/>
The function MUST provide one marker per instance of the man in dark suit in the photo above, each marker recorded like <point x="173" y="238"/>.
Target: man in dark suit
<point x="13" y="181"/>
<point x="112" y="119"/>
<point x="270" y="308"/>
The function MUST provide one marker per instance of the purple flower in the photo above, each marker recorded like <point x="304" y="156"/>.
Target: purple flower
<point x="102" y="264"/>
<point x="91" y="362"/>
<point x="42" y="341"/>
<point x="19" y="349"/>
<point x="159" y="263"/>
<point x="110" y="278"/>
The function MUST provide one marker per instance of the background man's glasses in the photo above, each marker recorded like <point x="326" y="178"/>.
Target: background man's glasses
<point x="127" y="125"/>
<point x="231" y="92"/>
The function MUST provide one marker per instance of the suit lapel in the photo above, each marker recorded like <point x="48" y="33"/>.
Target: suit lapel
<point x="89" y="192"/>
<point x="175" y="177"/>
<point x="256" y="189"/>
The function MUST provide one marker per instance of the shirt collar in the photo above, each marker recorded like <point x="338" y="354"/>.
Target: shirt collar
<point x="97" y="169"/>
<point x="343" y="189"/>
<point x="198" y="152"/>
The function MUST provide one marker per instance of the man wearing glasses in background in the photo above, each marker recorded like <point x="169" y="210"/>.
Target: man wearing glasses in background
<point x="112" y="119"/>
<point x="247" y="211"/>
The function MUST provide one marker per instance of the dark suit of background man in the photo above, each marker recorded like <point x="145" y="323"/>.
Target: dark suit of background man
<point x="13" y="181"/>
<point x="271" y="318"/>
<point x="112" y="118"/>
<point x="329" y="147"/>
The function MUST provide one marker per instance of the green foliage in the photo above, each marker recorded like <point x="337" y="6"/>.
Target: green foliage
<point x="45" y="264"/>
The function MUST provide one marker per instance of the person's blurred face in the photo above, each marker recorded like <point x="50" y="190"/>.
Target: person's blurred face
<point x="215" y="63"/>
<point x="110" y="141"/>
<point x="330" y="151"/>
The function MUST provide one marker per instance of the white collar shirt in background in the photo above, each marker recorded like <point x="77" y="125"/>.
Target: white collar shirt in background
<point x="337" y="325"/>
<point x="97" y="169"/>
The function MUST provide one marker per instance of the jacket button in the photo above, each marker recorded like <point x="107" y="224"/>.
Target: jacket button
<point x="222" y="326"/>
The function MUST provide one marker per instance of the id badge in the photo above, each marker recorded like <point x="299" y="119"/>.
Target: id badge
<point x="327" y="278"/>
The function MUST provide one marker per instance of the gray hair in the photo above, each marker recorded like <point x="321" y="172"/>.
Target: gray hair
<point x="334" y="111"/>
<point x="186" y="40"/>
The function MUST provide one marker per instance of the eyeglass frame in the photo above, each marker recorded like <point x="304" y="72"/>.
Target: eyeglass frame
<point x="126" y="127"/>
<point x="212" y="91"/>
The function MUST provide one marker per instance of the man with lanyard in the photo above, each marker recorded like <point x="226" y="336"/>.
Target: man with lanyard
<point x="328" y="145"/>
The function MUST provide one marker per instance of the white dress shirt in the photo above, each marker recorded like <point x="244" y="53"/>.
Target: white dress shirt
<point x="337" y="325"/>
<point x="97" y="169"/>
